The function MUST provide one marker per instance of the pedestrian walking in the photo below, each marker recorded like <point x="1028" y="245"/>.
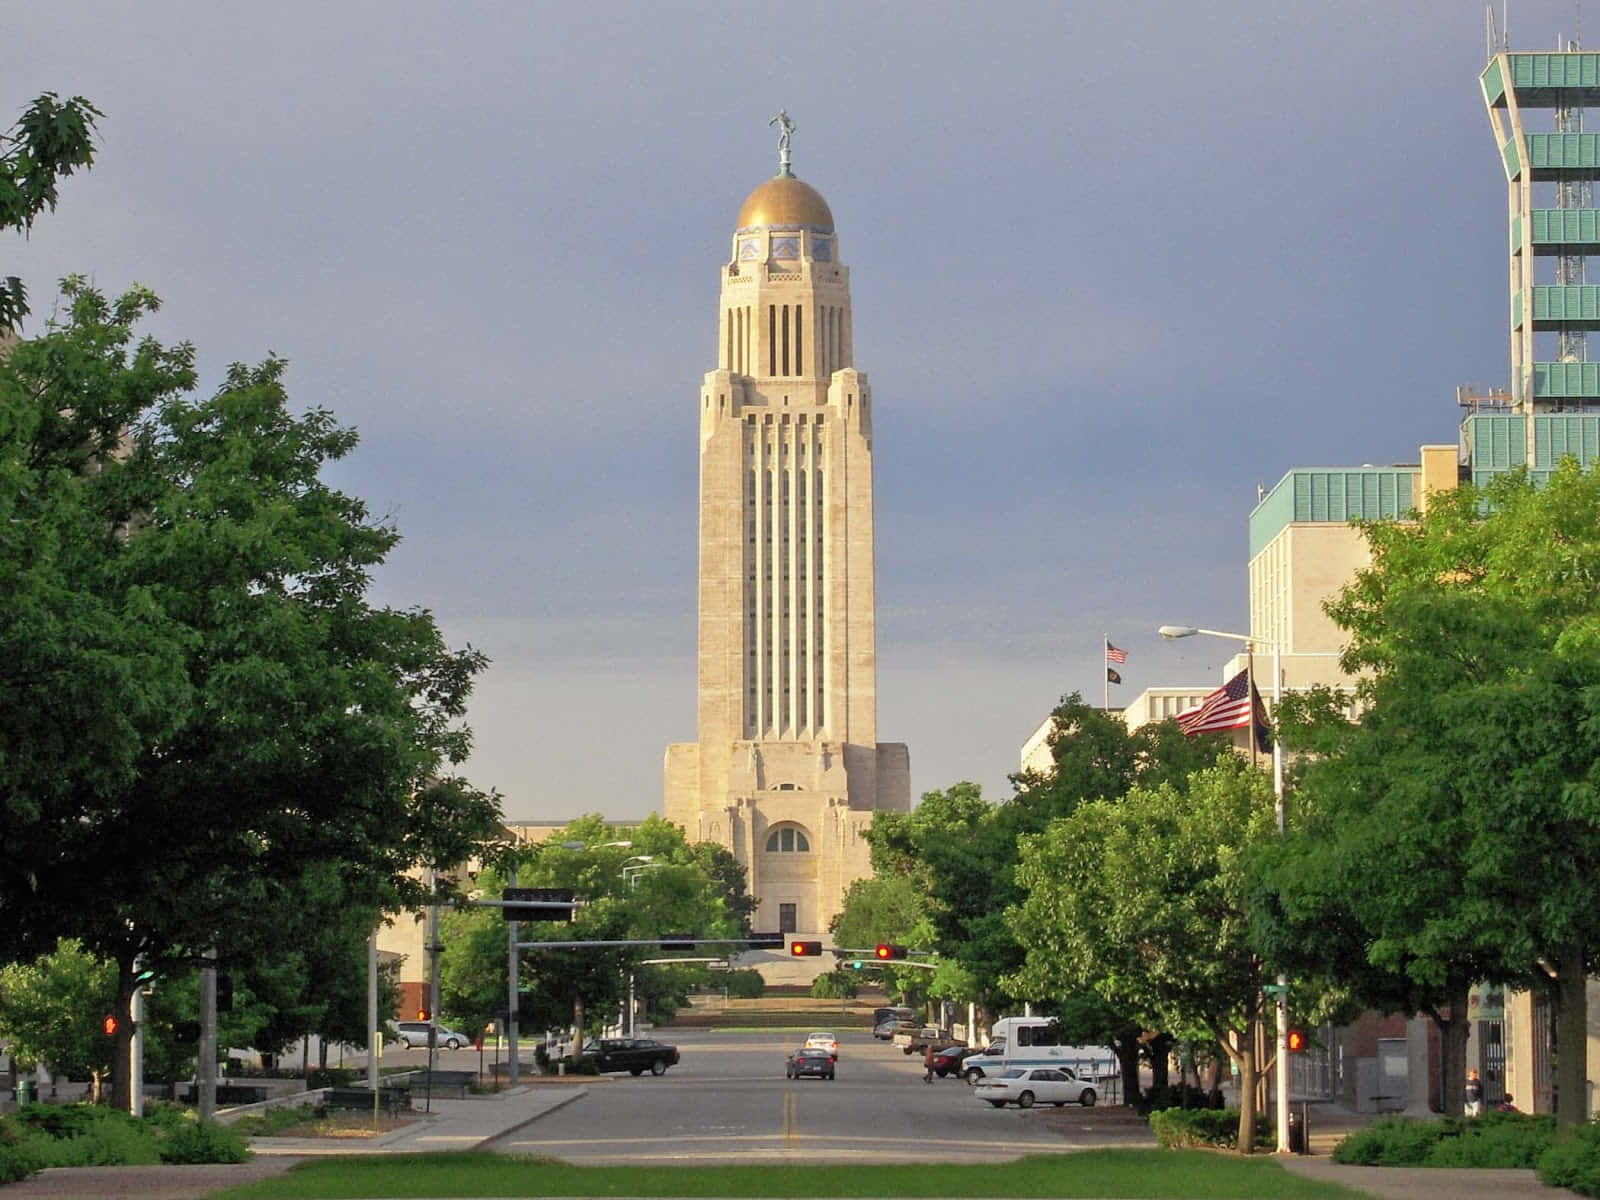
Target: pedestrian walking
<point x="927" y="1064"/>
<point x="1474" y="1095"/>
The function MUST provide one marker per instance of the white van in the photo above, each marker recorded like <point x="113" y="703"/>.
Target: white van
<point x="1036" y="1042"/>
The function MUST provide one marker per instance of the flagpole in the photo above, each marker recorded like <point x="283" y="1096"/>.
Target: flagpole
<point x="1105" y="661"/>
<point x="1250" y="691"/>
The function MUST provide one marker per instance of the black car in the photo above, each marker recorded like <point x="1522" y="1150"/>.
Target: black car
<point x="809" y="1061"/>
<point x="633" y="1055"/>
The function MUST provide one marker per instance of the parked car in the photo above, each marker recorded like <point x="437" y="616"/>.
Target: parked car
<point x="885" y="1029"/>
<point x="633" y="1055"/>
<point x="415" y="1033"/>
<point x="823" y="1041"/>
<point x="948" y="1061"/>
<point x="809" y="1060"/>
<point x="892" y="1012"/>
<point x="1027" y="1086"/>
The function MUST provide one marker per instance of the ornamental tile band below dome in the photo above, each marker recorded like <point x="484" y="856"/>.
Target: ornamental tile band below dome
<point x="818" y="229"/>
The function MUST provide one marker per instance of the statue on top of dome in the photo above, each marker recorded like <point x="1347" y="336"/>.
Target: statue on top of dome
<point x="785" y="124"/>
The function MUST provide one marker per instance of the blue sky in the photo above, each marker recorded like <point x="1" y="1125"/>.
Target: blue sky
<point x="1113" y="266"/>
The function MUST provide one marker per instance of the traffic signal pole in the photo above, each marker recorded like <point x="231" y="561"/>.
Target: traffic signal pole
<point x="136" y="1046"/>
<point x="207" y="1074"/>
<point x="511" y="1002"/>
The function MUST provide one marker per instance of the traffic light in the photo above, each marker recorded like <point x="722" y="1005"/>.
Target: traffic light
<point x="890" y="950"/>
<point x="109" y="1025"/>
<point x="677" y="941"/>
<point x="186" y="1033"/>
<point x="1295" y="1039"/>
<point x="856" y="964"/>
<point x="537" y="904"/>
<point x="224" y="992"/>
<point x="805" y="949"/>
<point x="422" y="1014"/>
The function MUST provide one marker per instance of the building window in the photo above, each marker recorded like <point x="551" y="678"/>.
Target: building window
<point x="788" y="840"/>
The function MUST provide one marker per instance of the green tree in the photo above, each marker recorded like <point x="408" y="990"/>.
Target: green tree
<point x="963" y="853"/>
<point x="200" y="704"/>
<point x="52" y="1010"/>
<point x="639" y="882"/>
<point x="1462" y="810"/>
<point x="50" y="141"/>
<point x="1147" y="901"/>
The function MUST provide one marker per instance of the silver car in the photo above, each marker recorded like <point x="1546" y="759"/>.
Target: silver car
<point x="415" y="1033"/>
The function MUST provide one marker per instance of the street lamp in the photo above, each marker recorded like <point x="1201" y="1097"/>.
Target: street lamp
<point x="637" y="865"/>
<point x="1281" y="1054"/>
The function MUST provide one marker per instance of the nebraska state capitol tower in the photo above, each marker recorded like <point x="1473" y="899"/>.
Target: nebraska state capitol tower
<point x="787" y="771"/>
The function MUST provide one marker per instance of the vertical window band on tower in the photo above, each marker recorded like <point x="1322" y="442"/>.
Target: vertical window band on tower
<point x="772" y="339"/>
<point x="799" y="342"/>
<point x="785" y="339"/>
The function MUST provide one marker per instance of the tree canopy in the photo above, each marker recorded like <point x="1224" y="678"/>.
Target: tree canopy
<point x="52" y="139"/>
<point x="200" y="703"/>
<point x="1461" y="810"/>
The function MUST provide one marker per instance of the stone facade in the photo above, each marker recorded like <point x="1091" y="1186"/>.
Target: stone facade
<point x="787" y="770"/>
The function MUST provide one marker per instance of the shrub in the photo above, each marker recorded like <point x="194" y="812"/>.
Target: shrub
<point x="18" y="1158"/>
<point x="1573" y="1161"/>
<point x="583" y="1064"/>
<point x="1388" y="1142"/>
<point x="1184" y="1096"/>
<point x="107" y="1139"/>
<point x="1492" y="1140"/>
<point x="744" y="985"/>
<point x="193" y="1141"/>
<point x="1186" y="1128"/>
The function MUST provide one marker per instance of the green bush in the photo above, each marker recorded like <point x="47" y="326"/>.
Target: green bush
<point x="1388" y="1142"/>
<point x="110" y="1139"/>
<point x="1493" y="1140"/>
<point x="835" y="985"/>
<point x="744" y="985"/>
<point x="583" y="1064"/>
<point x="18" y="1159"/>
<point x="1187" y="1128"/>
<point x="194" y="1141"/>
<point x="1175" y="1096"/>
<point x="85" y="1135"/>
<point x="1573" y="1161"/>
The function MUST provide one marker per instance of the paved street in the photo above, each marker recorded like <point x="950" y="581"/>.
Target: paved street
<point x="728" y="1101"/>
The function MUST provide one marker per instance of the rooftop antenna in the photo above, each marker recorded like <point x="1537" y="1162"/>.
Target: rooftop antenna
<point x="1496" y="37"/>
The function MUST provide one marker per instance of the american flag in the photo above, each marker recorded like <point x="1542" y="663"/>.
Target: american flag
<point x="1229" y="707"/>
<point x="1113" y="655"/>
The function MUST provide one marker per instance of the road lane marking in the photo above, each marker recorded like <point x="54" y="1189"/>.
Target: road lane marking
<point x="791" y="1139"/>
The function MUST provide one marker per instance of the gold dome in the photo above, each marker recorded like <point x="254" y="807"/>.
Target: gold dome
<point x="785" y="200"/>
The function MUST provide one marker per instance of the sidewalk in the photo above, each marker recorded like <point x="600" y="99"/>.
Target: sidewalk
<point x="468" y="1124"/>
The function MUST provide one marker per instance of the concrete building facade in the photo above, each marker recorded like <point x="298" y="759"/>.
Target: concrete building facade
<point x="786" y="770"/>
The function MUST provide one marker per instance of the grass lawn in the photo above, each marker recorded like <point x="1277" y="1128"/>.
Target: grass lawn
<point x="1126" y="1173"/>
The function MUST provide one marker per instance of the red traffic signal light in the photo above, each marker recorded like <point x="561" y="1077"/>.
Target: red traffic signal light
<point x="890" y="950"/>
<point x="422" y="1014"/>
<point x="109" y="1025"/>
<point x="1295" y="1040"/>
<point x="805" y="949"/>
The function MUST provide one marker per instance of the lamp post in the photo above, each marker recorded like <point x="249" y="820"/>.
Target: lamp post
<point x="1281" y="1038"/>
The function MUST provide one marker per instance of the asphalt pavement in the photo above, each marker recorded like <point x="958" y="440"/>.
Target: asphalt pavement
<point x="478" y="1122"/>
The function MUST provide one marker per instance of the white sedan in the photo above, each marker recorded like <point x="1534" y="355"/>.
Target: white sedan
<point x="823" y="1041"/>
<point x="1027" y="1086"/>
